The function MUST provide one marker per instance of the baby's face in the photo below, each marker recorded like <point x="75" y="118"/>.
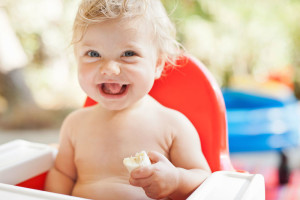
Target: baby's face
<point x="117" y="62"/>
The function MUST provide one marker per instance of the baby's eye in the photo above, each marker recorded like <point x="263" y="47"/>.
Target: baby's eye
<point x="129" y="53"/>
<point x="93" y="53"/>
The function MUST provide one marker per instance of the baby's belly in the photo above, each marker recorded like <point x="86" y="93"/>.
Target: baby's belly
<point x="108" y="188"/>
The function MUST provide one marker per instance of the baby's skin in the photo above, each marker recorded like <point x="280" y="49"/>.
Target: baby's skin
<point x="117" y="65"/>
<point x="93" y="156"/>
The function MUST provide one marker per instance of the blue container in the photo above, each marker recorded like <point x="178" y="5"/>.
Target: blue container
<point x="260" y="123"/>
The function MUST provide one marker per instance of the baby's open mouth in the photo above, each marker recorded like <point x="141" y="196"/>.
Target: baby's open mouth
<point x="113" y="88"/>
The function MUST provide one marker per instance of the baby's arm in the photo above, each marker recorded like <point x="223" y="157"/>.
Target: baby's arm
<point x="187" y="156"/>
<point x="62" y="176"/>
<point x="180" y="177"/>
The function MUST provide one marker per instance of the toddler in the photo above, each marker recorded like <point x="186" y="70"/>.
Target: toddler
<point x="121" y="47"/>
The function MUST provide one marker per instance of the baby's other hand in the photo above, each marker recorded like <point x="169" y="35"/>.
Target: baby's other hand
<point x="158" y="180"/>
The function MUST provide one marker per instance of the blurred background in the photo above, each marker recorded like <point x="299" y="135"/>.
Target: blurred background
<point x="251" y="47"/>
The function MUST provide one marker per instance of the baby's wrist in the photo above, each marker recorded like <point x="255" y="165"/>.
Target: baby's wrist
<point x="178" y="176"/>
<point x="178" y="181"/>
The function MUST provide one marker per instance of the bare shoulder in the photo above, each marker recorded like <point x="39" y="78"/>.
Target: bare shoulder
<point x="180" y="123"/>
<point x="175" y="116"/>
<point x="79" y="114"/>
<point x="75" y="119"/>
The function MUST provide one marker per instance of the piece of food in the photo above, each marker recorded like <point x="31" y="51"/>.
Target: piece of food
<point x="133" y="162"/>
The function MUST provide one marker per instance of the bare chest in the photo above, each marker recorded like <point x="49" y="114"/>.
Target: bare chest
<point x="99" y="153"/>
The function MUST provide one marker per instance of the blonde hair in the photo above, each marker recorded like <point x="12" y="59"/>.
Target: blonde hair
<point x="97" y="11"/>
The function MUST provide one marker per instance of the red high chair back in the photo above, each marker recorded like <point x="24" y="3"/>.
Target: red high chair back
<point x="191" y="89"/>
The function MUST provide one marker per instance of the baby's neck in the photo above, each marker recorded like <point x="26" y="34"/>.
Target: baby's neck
<point x="132" y="108"/>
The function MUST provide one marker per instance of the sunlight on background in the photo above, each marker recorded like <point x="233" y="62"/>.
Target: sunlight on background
<point x="10" y="59"/>
<point x="234" y="39"/>
<point x="241" y="37"/>
<point x="45" y="29"/>
<point x="236" y="36"/>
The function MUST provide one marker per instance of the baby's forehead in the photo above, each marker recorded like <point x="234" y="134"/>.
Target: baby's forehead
<point x="120" y="34"/>
<point x="113" y="26"/>
<point x="130" y="29"/>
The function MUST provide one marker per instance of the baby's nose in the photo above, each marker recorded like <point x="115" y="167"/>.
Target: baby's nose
<point x="110" y="68"/>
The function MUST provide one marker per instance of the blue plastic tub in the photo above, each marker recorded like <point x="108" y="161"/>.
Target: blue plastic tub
<point x="260" y="123"/>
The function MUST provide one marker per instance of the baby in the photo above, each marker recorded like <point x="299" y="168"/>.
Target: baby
<point x="121" y="47"/>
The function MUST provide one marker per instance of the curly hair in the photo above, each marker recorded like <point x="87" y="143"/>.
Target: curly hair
<point x="97" y="11"/>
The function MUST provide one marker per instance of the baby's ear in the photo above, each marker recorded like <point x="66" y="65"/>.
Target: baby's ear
<point x="160" y="64"/>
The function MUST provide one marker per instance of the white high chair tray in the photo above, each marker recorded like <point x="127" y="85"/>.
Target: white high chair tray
<point x="231" y="186"/>
<point x="10" y="192"/>
<point x="21" y="160"/>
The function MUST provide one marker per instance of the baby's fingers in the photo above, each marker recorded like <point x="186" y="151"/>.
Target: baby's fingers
<point x="140" y="182"/>
<point x="142" y="172"/>
<point x="156" y="156"/>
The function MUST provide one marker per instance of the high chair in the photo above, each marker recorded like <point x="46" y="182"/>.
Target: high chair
<point x="191" y="89"/>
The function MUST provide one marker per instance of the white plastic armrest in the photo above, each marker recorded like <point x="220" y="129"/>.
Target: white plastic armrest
<point x="21" y="160"/>
<point x="231" y="186"/>
<point x="11" y="192"/>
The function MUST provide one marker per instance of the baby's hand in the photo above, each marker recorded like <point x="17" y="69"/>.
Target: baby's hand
<point x="159" y="180"/>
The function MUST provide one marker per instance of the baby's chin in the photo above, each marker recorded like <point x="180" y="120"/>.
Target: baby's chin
<point x="114" y="105"/>
<point x="115" y="108"/>
<point x="120" y="104"/>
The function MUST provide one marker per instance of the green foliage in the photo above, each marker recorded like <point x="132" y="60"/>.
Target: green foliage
<point x="184" y="9"/>
<point x="240" y="37"/>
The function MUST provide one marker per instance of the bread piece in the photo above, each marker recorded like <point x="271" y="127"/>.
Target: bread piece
<point x="140" y="159"/>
